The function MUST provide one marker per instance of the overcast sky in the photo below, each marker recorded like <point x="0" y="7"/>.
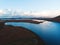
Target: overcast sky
<point x="38" y="7"/>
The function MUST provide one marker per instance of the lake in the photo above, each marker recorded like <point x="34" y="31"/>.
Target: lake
<point x="49" y="31"/>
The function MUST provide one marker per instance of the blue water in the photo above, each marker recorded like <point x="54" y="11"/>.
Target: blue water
<point x="48" y="31"/>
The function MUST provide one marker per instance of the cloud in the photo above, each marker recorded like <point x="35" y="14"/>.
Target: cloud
<point x="10" y="13"/>
<point x="1" y="11"/>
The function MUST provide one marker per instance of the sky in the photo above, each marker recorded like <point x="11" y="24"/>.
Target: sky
<point x="31" y="7"/>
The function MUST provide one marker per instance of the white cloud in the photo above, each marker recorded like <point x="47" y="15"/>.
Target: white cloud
<point x="10" y="12"/>
<point x="1" y="11"/>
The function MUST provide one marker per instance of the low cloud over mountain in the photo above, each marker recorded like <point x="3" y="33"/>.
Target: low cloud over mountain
<point x="18" y="13"/>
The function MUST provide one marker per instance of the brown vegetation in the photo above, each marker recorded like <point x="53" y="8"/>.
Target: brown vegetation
<point x="10" y="35"/>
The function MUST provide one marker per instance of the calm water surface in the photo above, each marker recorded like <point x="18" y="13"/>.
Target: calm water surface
<point x="49" y="31"/>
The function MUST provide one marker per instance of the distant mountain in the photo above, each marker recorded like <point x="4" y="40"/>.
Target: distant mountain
<point x="58" y="16"/>
<point x="55" y="19"/>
